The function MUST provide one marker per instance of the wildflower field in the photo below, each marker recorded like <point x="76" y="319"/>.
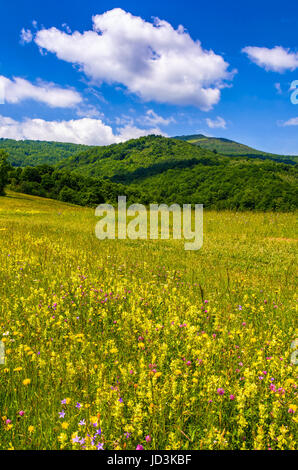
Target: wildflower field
<point x="140" y="344"/>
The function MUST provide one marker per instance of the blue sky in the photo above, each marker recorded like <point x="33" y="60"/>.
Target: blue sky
<point x="123" y="74"/>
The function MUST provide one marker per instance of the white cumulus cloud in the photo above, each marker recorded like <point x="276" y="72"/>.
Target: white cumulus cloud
<point x="152" y="60"/>
<point x="277" y="59"/>
<point x="79" y="131"/>
<point x="19" y="89"/>
<point x="219" y="122"/>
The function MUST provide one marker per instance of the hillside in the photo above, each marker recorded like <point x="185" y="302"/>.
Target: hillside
<point x="34" y="152"/>
<point x="159" y="169"/>
<point x="137" y="158"/>
<point x="234" y="185"/>
<point x="232" y="148"/>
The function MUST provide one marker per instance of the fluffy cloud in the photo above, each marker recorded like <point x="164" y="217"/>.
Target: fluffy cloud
<point x="18" y="89"/>
<point x="219" y="122"/>
<point x="276" y="59"/>
<point x="152" y="60"/>
<point x="291" y="122"/>
<point x="79" y="131"/>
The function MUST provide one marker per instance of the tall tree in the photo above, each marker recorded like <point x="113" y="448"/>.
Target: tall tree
<point x="4" y="169"/>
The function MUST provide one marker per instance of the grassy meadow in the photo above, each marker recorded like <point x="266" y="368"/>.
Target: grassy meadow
<point x="140" y="344"/>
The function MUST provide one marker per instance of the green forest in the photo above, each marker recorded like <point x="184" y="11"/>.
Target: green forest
<point x="151" y="169"/>
<point x="36" y="152"/>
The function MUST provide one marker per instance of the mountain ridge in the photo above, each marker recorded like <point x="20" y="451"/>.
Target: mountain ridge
<point x="35" y="152"/>
<point x="231" y="148"/>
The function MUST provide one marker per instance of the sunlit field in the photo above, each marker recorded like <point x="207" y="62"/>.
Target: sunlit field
<point x="140" y="344"/>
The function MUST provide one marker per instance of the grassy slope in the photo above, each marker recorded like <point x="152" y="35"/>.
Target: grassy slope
<point x="53" y="269"/>
<point x="232" y="148"/>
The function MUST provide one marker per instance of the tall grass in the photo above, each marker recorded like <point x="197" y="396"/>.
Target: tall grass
<point x="117" y="344"/>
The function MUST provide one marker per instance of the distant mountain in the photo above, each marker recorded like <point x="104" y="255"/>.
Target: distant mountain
<point x="235" y="149"/>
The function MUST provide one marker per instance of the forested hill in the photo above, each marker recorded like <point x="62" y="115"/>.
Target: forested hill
<point x="36" y="152"/>
<point x="235" y="149"/>
<point x="138" y="158"/>
<point x="159" y="169"/>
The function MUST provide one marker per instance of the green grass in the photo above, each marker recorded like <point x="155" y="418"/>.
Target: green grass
<point x="149" y="323"/>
